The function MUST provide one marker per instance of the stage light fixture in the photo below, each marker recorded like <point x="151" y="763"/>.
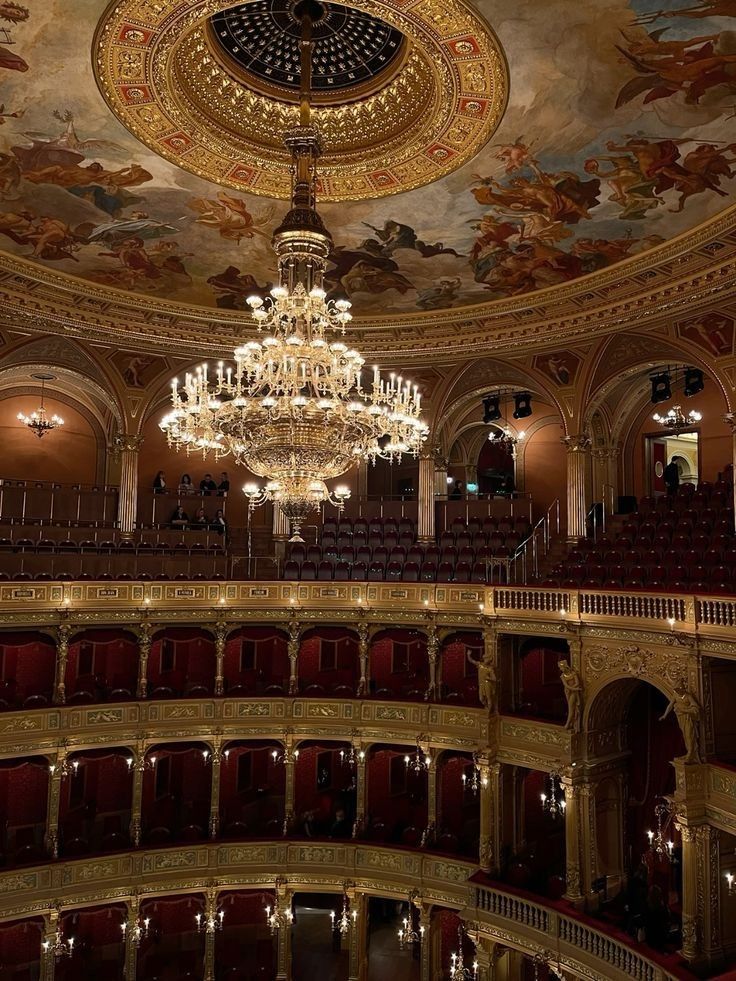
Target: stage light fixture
<point x="694" y="382"/>
<point x="522" y="405"/>
<point x="661" y="388"/>
<point x="491" y="408"/>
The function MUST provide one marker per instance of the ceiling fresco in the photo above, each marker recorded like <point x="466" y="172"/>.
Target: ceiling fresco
<point x="619" y="134"/>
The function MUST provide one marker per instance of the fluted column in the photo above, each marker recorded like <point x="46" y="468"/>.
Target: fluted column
<point x="605" y="476"/>
<point x="216" y="764"/>
<point x="574" y="855"/>
<point x="730" y="420"/>
<point x="358" y="938"/>
<point x="363" y="650"/>
<point x="51" y="837"/>
<point x="128" y="446"/>
<point x="425" y="523"/>
<point x="490" y="797"/>
<point x="63" y="633"/>
<point x="144" y="652"/>
<point x="131" y="949"/>
<point x="221" y="632"/>
<point x="578" y="447"/>
<point x="295" y="629"/>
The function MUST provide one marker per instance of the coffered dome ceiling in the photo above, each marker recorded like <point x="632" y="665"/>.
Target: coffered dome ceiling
<point x="474" y="153"/>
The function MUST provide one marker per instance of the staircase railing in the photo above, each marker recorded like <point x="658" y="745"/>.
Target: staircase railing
<point x="536" y="545"/>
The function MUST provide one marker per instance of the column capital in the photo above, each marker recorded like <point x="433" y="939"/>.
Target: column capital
<point x="576" y="443"/>
<point x="730" y="419"/>
<point x="127" y="442"/>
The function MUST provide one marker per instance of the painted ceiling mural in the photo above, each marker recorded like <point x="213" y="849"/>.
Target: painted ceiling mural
<point x="619" y="135"/>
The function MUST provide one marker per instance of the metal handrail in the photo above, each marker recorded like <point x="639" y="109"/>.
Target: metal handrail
<point x="541" y="527"/>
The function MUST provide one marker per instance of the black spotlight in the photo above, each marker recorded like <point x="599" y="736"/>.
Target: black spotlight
<point x="661" y="390"/>
<point x="693" y="381"/>
<point x="491" y="408"/>
<point x="522" y="405"/>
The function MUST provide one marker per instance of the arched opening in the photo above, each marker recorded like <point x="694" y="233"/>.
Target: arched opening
<point x="324" y="790"/>
<point x="177" y="787"/>
<point x="398" y="665"/>
<point x="252" y="790"/>
<point x="95" y="803"/>
<point x="182" y="663"/>
<point x="102" y="666"/>
<point x="98" y="948"/>
<point x="328" y="662"/>
<point x="396" y="797"/>
<point x="173" y="945"/>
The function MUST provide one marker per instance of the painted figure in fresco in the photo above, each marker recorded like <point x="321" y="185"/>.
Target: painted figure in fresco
<point x="705" y="8"/>
<point x="394" y="236"/>
<point x="162" y="268"/>
<point x="515" y="155"/>
<point x="631" y="189"/>
<point x="14" y="13"/>
<point x="442" y="294"/>
<point x="232" y="289"/>
<point x="230" y="216"/>
<point x="561" y="197"/>
<point x="9" y="177"/>
<point x="363" y="272"/>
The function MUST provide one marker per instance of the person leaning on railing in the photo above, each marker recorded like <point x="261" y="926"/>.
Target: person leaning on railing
<point x="219" y="524"/>
<point x="179" y="519"/>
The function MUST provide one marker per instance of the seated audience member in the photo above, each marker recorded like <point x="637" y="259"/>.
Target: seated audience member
<point x="179" y="519"/>
<point x="159" y="483"/>
<point x="185" y="484"/>
<point x="207" y="484"/>
<point x="224" y="485"/>
<point x="200" y="519"/>
<point x="218" y="522"/>
<point x="456" y="493"/>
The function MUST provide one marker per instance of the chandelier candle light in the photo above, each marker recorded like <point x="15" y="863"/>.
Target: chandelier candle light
<point x="346" y="919"/>
<point x="40" y="421"/>
<point x="675" y="419"/>
<point x="458" y="970"/>
<point x="294" y="409"/>
<point x="138" y="930"/>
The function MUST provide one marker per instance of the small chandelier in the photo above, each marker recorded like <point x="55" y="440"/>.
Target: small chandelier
<point x="285" y="755"/>
<point x="58" y="947"/>
<point x="675" y="419"/>
<point x="211" y="922"/>
<point x="293" y="409"/>
<point x="40" y="421"/>
<point x="418" y="761"/>
<point x="279" y="917"/>
<point x="474" y="782"/>
<point x="215" y="756"/>
<point x="408" y="934"/>
<point x="503" y="436"/>
<point x="346" y="919"/>
<point x="458" y="970"/>
<point x="659" y="846"/>
<point x="65" y="768"/>
<point x="351" y="757"/>
<point x="139" y="930"/>
<point x="554" y="802"/>
<point x="139" y="764"/>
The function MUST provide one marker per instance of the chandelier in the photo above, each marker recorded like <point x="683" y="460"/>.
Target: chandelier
<point x="503" y="436"/>
<point x="66" y="767"/>
<point x="295" y="408"/>
<point x="40" y="421"/>
<point x="675" y="419"/>
<point x="58" y="947"/>
<point x="418" y="761"/>
<point x="139" y="930"/>
<point x="351" y="757"/>
<point x="285" y="756"/>
<point x="554" y="802"/>
<point x="139" y="764"/>
<point x="279" y="917"/>
<point x="346" y="919"/>
<point x="659" y="846"/>
<point x="210" y="923"/>
<point x="458" y="970"/>
<point x="408" y="933"/>
<point x="474" y="782"/>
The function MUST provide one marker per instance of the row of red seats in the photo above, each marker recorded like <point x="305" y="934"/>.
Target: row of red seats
<point x="416" y="553"/>
<point x="463" y="572"/>
<point x="123" y="545"/>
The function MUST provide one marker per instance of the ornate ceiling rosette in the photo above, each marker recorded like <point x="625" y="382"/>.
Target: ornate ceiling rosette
<point x="407" y="91"/>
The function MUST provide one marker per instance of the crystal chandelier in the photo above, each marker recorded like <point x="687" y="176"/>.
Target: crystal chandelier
<point x="346" y="919"/>
<point x="40" y="421"/>
<point x="293" y="409"/>
<point x="279" y="917"/>
<point x="473" y="782"/>
<point x="418" y="761"/>
<point x="659" y="846"/>
<point x="58" y="947"/>
<point x="504" y="437"/>
<point x="458" y="970"/>
<point x="554" y="802"/>
<point x="675" y="419"/>
<point x="408" y="934"/>
<point x="136" y="930"/>
<point x="351" y="757"/>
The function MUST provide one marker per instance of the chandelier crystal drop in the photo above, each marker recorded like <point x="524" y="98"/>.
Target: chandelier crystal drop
<point x="296" y="408"/>
<point x="40" y="422"/>
<point x="554" y="802"/>
<point x="675" y="419"/>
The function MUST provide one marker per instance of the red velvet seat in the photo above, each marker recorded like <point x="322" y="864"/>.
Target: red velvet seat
<point x="445" y="572"/>
<point x="308" y="571"/>
<point x="410" y="572"/>
<point x="359" y="571"/>
<point x="342" y="571"/>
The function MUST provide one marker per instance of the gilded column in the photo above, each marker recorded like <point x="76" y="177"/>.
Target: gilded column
<point x="138" y="767"/>
<point x="490" y="796"/>
<point x="131" y="947"/>
<point x="128" y="446"/>
<point x="48" y="958"/>
<point x="701" y="894"/>
<point x="51" y="837"/>
<point x="290" y="757"/>
<point x="221" y="632"/>
<point x="425" y="953"/>
<point x="574" y="858"/>
<point x="605" y="477"/>
<point x="358" y="937"/>
<point x="295" y="629"/>
<point x="428" y="836"/>
<point x="144" y="652"/>
<point x="425" y="523"/>
<point x="210" y="916"/>
<point x="63" y="633"/>
<point x="363" y="649"/>
<point x="215" y="762"/>
<point x="360" y="790"/>
<point x="283" y="955"/>
<point x="578" y="447"/>
<point x="691" y="930"/>
<point x="433" y="657"/>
